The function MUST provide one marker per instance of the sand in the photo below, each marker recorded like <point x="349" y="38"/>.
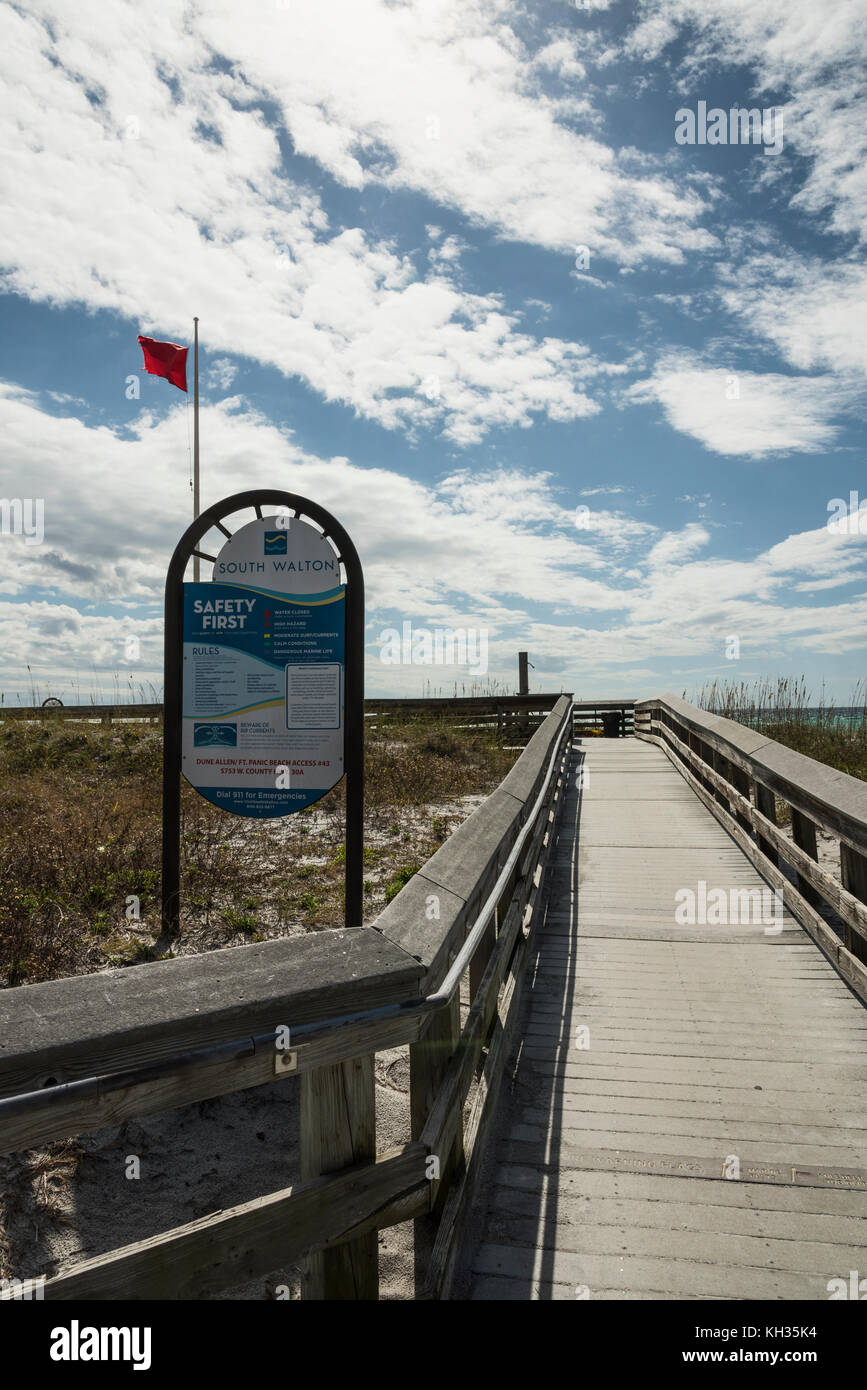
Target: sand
<point x="73" y="1200"/>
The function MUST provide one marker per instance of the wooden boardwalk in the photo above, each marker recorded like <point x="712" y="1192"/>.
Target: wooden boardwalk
<point x="708" y="1139"/>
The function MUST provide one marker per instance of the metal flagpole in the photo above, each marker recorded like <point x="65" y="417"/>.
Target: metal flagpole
<point x="196" y="438"/>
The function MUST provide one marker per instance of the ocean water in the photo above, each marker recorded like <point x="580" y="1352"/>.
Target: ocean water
<point x="853" y="717"/>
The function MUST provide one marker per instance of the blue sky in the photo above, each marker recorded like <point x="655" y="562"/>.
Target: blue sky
<point x="376" y="209"/>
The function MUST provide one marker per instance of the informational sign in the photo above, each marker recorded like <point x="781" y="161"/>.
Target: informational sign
<point x="264" y="670"/>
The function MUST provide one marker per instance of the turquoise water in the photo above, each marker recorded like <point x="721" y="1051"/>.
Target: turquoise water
<point x="851" y="717"/>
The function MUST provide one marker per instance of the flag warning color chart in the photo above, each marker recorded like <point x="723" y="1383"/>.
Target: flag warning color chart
<point x="263" y="671"/>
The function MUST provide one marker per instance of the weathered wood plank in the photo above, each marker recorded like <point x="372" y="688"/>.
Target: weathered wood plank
<point x="693" y="1053"/>
<point x="767" y="806"/>
<point x="119" y="1019"/>
<point x="338" y="1130"/>
<point x="430" y="917"/>
<point x="37" y="1117"/>
<point x="804" y="836"/>
<point x="833" y="799"/>
<point x="249" y="1241"/>
<point x="848" y="907"/>
<point x="429" y="1061"/>
<point x="852" y="969"/>
<point x="853" y="871"/>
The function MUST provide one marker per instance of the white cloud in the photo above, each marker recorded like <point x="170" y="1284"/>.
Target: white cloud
<point x="815" y="54"/>
<point x="748" y="413"/>
<point x="359" y="94"/>
<point x="814" y="311"/>
<point x="561" y="56"/>
<point x="221" y="373"/>
<point x="677" y="546"/>
<point x="448" y="251"/>
<point x="121" y="193"/>
<point x="474" y="550"/>
<point x="469" y="544"/>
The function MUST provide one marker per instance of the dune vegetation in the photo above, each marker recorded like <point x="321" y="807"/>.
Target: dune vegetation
<point x="80" y="811"/>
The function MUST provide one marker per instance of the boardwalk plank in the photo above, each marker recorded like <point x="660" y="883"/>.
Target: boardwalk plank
<point x="705" y="1041"/>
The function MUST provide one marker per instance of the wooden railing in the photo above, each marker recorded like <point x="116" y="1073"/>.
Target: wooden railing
<point x="441" y="970"/>
<point x="507" y="713"/>
<point x="739" y="774"/>
<point x="510" y="714"/>
<point x="590" y="716"/>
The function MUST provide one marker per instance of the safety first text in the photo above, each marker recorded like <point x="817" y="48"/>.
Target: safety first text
<point x="221" y="614"/>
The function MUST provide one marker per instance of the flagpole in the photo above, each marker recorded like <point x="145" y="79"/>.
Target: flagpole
<point x="196" y="438"/>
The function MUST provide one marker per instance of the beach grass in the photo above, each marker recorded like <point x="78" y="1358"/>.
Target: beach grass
<point x="80" y="835"/>
<point x="788" y="710"/>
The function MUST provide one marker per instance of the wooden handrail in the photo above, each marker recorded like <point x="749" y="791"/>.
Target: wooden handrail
<point x="835" y="800"/>
<point x="738" y="772"/>
<point x="168" y="1032"/>
<point x="482" y="704"/>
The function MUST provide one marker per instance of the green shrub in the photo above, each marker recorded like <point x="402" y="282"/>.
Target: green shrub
<point x="400" y="880"/>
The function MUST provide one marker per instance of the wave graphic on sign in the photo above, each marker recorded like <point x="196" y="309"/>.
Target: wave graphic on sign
<point x="308" y="600"/>
<point x="245" y="709"/>
<point x="206" y="735"/>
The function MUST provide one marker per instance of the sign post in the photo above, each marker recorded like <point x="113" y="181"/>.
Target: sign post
<point x="264" y="674"/>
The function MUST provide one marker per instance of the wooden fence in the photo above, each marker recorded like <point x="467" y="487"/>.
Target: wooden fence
<point x="440" y="970"/>
<point x="508" y="713"/>
<point x="740" y="775"/>
<point x="612" y="717"/>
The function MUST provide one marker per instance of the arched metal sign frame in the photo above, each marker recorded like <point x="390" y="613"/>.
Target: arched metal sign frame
<point x="353" y="752"/>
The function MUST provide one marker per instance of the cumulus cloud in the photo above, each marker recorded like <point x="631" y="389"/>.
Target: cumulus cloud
<point x="751" y="413"/>
<point x="810" y="307"/>
<point x="142" y="176"/>
<point x="814" y="311"/>
<point x="813" y="53"/>
<point x="468" y="544"/>
<point x="497" y="550"/>
<point x="222" y="163"/>
<point x="435" y="97"/>
<point x="221" y="373"/>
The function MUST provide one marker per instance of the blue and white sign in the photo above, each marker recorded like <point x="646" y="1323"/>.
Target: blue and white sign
<point x="263" y="671"/>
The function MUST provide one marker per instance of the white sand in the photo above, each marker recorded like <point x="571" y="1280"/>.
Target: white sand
<point x="196" y="1160"/>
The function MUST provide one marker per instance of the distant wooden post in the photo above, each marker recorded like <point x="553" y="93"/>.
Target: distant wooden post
<point x="523" y="674"/>
<point x="479" y="962"/>
<point x="338" y="1129"/>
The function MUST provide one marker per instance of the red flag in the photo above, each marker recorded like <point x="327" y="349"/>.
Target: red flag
<point x="165" y="359"/>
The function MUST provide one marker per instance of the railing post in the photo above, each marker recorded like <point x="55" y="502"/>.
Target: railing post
<point x="853" y="872"/>
<point x="482" y="954"/>
<point x="338" y="1129"/>
<point x="699" y="746"/>
<point x="804" y="836"/>
<point x="428" y="1061"/>
<point x="721" y="765"/>
<point x="741" y="783"/>
<point x="767" y="805"/>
